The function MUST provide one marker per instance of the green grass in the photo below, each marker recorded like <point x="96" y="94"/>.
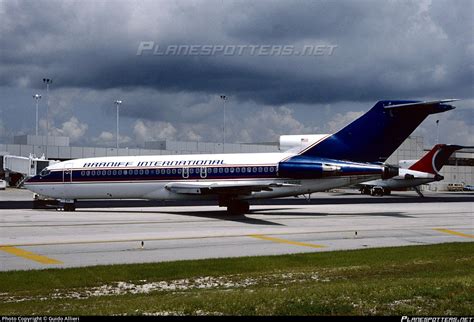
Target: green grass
<point x="416" y="280"/>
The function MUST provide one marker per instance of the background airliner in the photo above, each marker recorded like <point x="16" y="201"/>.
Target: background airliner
<point x="350" y="156"/>
<point x="413" y="173"/>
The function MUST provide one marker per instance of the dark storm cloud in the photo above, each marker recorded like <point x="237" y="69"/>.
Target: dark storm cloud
<point x="394" y="49"/>
<point x="382" y="50"/>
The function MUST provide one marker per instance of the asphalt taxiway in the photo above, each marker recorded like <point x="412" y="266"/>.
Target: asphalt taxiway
<point x="109" y="233"/>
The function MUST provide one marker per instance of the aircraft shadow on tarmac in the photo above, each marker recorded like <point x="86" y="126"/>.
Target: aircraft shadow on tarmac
<point x="321" y="214"/>
<point x="333" y="200"/>
<point x="211" y="214"/>
<point x="222" y="215"/>
<point x="247" y="219"/>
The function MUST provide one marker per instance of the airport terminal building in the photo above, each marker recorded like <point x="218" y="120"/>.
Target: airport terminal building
<point x="460" y="169"/>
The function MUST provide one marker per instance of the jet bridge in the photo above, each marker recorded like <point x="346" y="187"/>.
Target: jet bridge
<point x="15" y="169"/>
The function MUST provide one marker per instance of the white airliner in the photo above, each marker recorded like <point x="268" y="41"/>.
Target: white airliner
<point x="352" y="155"/>
<point x="413" y="173"/>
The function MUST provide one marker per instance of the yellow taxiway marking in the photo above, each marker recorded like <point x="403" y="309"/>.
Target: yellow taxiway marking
<point x="452" y="232"/>
<point x="286" y="241"/>
<point x="29" y="255"/>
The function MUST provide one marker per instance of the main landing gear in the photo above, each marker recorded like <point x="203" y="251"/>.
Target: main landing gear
<point x="375" y="191"/>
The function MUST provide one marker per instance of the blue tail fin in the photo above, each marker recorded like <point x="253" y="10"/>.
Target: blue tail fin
<point x="374" y="136"/>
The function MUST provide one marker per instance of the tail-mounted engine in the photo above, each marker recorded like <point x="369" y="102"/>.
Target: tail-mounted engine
<point x="389" y="171"/>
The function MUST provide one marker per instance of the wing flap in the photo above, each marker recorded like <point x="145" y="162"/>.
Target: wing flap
<point x="227" y="188"/>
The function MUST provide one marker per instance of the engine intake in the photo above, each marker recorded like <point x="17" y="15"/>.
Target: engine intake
<point x="389" y="171"/>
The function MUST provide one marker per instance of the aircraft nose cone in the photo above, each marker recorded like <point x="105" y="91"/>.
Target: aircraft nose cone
<point x="31" y="180"/>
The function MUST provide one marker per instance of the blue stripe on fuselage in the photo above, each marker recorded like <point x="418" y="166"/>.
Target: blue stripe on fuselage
<point x="165" y="174"/>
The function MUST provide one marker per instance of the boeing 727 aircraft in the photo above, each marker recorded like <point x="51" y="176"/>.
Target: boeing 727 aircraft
<point x="352" y="155"/>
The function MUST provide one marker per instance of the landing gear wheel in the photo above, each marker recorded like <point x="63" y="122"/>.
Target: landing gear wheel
<point x="69" y="207"/>
<point x="365" y="191"/>
<point x="237" y="207"/>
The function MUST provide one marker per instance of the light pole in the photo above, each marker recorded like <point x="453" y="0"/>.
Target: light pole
<point x="117" y="103"/>
<point x="224" y="98"/>
<point x="437" y="131"/>
<point x="47" y="81"/>
<point x="37" y="97"/>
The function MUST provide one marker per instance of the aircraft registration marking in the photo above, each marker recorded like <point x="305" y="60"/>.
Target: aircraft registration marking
<point x="29" y="255"/>
<point x="286" y="241"/>
<point x="452" y="232"/>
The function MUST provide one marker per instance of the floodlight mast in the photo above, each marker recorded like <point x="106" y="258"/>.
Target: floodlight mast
<point x="437" y="131"/>
<point x="47" y="81"/>
<point x="224" y="98"/>
<point x="37" y="97"/>
<point x="118" y="103"/>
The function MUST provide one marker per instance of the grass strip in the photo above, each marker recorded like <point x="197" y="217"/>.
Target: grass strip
<point x="413" y="280"/>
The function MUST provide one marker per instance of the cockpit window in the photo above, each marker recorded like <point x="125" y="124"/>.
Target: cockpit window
<point x="45" y="172"/>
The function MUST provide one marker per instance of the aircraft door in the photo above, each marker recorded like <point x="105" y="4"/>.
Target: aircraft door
<point x="67" y="180"/>
<point x="185" y="173"/>
<point x="67" y="173"/>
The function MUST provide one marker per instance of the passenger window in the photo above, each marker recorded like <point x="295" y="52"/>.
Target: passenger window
<point x="226" y="170"/>
<point x="109" y="172"/>
<point x="120" y="172"/>
<point x="221" y="170"/>
<point x="168" y="171"/>
<point x="265" y="169"/>
<point x="135" y="172"/>
<point x="173" y="171"/>
<point x="114" y="172"/>
<point x="260" y="169"/>
<point x="88" y="173"/>
<point x="147" y="172"/>
<point x="254" y="169"/>
<point x="237" y="170"/>
<point x="243" y="170"/>
<point x="141" y="172"/>
<point x="232" y="170"/>
<point x="83" y="173"/>
<point x="93" y="173"/>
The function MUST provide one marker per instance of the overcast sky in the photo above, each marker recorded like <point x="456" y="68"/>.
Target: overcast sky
<point x="286" y="67"/>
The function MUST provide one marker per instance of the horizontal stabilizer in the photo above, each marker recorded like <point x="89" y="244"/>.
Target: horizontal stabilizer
<point x="420" y="104"/>
<point x="374" y="136"/>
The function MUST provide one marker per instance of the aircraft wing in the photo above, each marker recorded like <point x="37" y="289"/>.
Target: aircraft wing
<point x="222" y="188"/>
